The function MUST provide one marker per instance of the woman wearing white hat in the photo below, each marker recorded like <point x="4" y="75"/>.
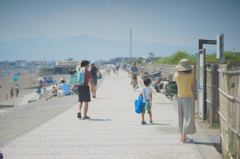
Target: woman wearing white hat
<point x="186" y="110"/>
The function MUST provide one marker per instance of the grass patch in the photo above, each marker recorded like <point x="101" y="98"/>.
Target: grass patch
<point x="228" y="57"/>
<point x="174" y="59"/>
<point x="216" y="126"/>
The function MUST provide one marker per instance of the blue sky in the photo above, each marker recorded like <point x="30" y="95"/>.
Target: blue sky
<point x="168" y="22"/>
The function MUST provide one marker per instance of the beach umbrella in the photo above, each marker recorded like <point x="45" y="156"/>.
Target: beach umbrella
<point x="15" y="79"/>
<point x="48" y="76"/>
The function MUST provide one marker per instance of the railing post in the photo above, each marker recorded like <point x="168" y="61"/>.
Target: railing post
<point x="212" y="96"/>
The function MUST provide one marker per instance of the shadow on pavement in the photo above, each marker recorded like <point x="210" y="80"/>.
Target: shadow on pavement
<point x="157" y="124"/>
<point x="103" y="98"/>
<point x="203" y="143"/>
<point x="99" y="119"/>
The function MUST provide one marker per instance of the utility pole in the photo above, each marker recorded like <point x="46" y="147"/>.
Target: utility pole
<point x="130" y="44"/>
<point x="30" y="73"/>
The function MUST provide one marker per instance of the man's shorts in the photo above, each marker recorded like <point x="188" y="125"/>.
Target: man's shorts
<point x="134" y="76"/>
<point x="84" y="94"/>
<point x="149" y="109"/>
<point x="94" y="80"/>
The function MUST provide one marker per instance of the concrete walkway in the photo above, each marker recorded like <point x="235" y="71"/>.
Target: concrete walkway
<point x="114" y="130"/>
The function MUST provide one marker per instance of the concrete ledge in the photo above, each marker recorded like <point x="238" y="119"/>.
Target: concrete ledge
<point x="6" y="105"/>
<point x="30" y="101"/>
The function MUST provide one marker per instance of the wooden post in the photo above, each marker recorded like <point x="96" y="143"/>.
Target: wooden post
<point x="238" y="117"/>
<point x="212" y="97"/>
<point x="194" y="87"/>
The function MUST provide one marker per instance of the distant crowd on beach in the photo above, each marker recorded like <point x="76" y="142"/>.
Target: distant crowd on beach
<point x="12" y="72"/>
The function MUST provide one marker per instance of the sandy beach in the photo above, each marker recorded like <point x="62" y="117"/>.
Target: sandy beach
<point x="23" y="82"/>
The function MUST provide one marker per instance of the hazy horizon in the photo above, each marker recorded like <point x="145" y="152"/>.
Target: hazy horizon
<point x="83" y="47"/>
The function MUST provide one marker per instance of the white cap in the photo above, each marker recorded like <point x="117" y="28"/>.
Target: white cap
<point x="62" y="79"/>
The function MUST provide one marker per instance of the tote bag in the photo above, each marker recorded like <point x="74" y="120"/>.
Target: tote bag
<point x="138" y="105"/>
<point x="78" y="77"/>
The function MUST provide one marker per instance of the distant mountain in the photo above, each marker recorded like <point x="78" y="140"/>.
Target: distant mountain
<point x="81" y="47"/>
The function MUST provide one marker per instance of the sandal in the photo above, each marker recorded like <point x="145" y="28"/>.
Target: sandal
<point x="79" y="115"/>
<point x="143" y="123"/>
<point x="188" y="140"/>
<point x="87" y="117"/>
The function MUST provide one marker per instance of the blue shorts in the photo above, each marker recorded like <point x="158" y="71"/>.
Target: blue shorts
<point x="94" y="81"/>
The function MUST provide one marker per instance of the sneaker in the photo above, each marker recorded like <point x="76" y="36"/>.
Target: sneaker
<point x="130" y="83"/>
<point x="87" y="117"/>
<point x="143" y="123"/>
<point x="151" y="122"/>
<point x="79" y="115"/>
<point x="137" y="87"/>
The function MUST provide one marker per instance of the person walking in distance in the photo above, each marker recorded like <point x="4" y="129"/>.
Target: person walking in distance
<point x="11" y="92"/>
<point x="186" y="111"/>
<point x="84" y="91"/>
<point x="94" y="72"/>
<point x="109" y="69"/>
<point x="134" y="72"/>
<point x="128" y="66"/>
<point x="17" y="90"/>
<point x="117" y="68"/>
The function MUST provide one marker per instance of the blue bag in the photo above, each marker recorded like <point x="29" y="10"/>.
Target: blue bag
<point x="138" y="105"/>
<point x="38" y="91"/>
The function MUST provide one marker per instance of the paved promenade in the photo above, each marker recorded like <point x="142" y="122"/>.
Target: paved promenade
<point x="114" y="130"/>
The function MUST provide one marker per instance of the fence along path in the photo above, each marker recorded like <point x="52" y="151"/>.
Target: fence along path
<point x="229" y="102"/>
<point x="212" y="95"/>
